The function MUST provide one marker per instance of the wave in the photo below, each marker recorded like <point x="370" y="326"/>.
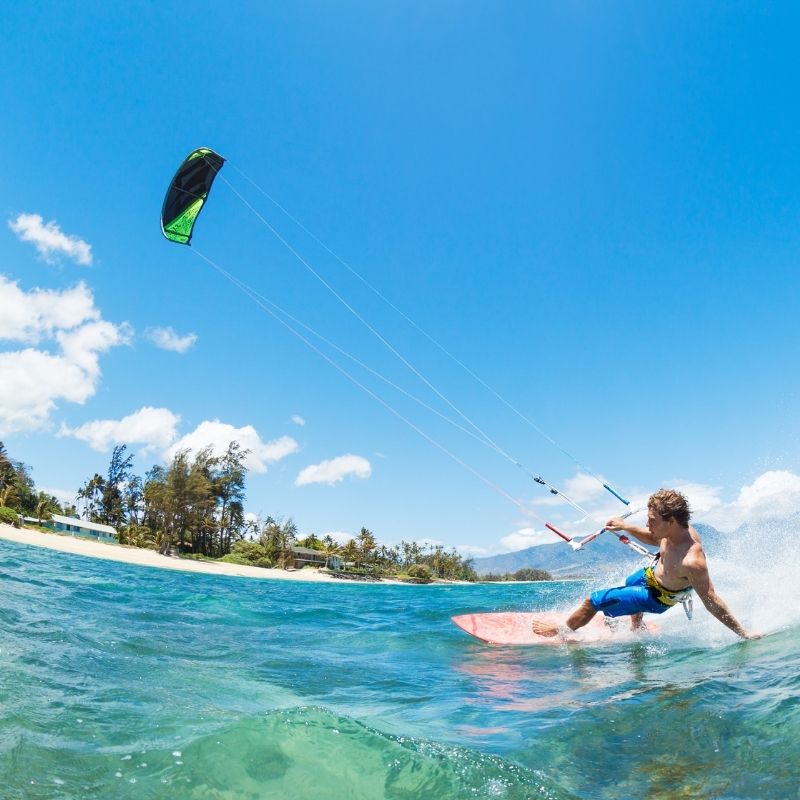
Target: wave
<point x="302" y="753"/>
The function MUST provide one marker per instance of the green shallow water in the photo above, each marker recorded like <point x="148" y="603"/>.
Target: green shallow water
<point x="127" y="682"/>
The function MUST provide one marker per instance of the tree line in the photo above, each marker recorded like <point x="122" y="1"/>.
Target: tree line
<point x="524" y="574"/>
<point x="361" y="555"/>
<point x="194" y="505"/>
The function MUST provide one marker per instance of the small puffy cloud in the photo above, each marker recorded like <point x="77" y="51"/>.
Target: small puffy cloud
<point x="168" y="339"/>
<point x="153" y="428"/>
<point x="334" y="470"/>
<point x="218" y="435"/>
<point x="298" y="420"/>
<point x="50" y="240"/>
<point x="35" y="379"/>
<point x="524" y="538"/>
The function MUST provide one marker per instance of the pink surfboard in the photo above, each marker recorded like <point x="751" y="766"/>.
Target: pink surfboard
<point x="510" y="627"/>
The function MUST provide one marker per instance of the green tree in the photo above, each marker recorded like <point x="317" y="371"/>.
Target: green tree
<point x="330" y="548"/>
<point x="366" y="546"/>
<point x="312" y="542"/>
<point x="531" y="574"/>
<point x="350" y="553"/>
<point x="46" y="506"/>
<point x="277" y="537"/>
<point x="91" y="495"/>
<point x="8" y="478"/>
<point x="111" y="509"/>
<point x="133" y="500"/>
<point x="228" y="486"/>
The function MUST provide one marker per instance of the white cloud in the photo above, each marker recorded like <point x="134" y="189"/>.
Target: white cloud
<point x="49" y="239"/>
<point x="35" y="379"/>
<point x="298" y="420"/>
<point x="29" y="317"/>
<point x="771" y="495"/>
<point x="83" y="345"/>
<point x="168" y="339"/>
<point x="219" y="435"/>
<point x="154" y="428"/>
<point x="703" y="499"/>
<point x="334" y="470"/>
<point x="526" y="537"/>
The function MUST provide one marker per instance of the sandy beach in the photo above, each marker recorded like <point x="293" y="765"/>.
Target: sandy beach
<point x="150" y="558"/>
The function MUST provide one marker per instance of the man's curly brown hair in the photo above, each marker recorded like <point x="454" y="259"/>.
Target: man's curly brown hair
<point x="670" y="504"/>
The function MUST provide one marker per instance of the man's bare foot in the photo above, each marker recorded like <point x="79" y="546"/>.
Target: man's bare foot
<point x="544" y="628"/>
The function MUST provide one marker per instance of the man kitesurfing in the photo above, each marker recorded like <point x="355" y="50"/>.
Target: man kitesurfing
<point x="679" y="568"/>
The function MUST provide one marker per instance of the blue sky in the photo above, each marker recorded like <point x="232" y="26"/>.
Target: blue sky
<point x="594" y="207"/>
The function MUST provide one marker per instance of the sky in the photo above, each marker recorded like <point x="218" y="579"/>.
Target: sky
<point x="592" y="207"/>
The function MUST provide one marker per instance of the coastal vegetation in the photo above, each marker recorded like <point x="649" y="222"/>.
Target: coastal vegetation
<point x="525" y="574"/>
<point x="194" y="507"/>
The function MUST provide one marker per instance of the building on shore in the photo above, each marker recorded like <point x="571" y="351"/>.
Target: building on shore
<point x="306" y="555"/>
<point x="77" y="527"/>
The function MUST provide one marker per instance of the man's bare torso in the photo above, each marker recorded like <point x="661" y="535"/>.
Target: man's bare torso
<point x="670" y="571"/>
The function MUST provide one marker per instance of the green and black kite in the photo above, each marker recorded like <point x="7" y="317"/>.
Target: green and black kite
<point x="188" y="192"/>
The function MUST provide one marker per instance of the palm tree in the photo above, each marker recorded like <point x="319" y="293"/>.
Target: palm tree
<point x="366" y="545"/>
<point x="278" y="537"/>
<point x="91" y="493"/>
<point x="350" y="552"/>
<point x="330" y="549"/>
<point x="45" y="506"/>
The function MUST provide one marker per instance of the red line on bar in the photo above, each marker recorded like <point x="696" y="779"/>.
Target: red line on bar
<point x="557" y="532"/>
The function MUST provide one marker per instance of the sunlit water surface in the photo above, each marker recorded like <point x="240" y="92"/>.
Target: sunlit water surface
<point x="128" y="682"/>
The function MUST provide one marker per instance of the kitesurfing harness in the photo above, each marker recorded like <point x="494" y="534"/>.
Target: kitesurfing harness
<point x="667" y="597"/>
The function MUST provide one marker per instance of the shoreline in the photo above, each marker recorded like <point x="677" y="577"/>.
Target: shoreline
<point x="138" y="556"/>
<point x="142" y="557"/>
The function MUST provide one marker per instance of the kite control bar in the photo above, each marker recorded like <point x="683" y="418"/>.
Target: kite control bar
<point x="578" y="544"/>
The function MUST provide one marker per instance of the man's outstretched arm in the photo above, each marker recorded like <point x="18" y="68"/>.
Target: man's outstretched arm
<point x="642" y="534"/>
<point x="701" y="583"/>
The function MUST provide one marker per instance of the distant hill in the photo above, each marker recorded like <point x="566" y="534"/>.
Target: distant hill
<point x="595" y="559"/>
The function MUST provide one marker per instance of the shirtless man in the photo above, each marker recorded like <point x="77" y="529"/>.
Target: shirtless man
<point x="680" y="567"/>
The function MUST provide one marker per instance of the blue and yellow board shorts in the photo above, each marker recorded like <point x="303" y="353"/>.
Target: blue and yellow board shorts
<point x="632" y="598"/>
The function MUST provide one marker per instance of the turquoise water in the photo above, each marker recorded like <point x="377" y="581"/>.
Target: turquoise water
<point x="127" y="682"/>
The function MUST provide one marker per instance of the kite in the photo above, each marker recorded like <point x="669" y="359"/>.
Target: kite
<point x="188" y="192"/>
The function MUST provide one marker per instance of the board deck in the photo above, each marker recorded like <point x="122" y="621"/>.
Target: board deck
<point x="511" y="627"/>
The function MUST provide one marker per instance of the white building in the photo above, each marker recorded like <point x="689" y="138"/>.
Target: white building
<point x="79" y="527"/>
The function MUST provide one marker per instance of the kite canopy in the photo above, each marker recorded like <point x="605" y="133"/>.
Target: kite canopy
<point x="187" y="193"/>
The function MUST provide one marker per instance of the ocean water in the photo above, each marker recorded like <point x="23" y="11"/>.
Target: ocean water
<point x="126" y="682"/>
